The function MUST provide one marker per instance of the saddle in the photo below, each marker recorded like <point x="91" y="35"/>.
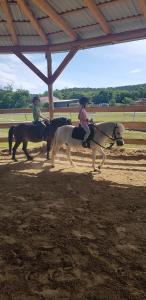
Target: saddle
<point x="79" y="133"/>
<point x="39" y="130"/>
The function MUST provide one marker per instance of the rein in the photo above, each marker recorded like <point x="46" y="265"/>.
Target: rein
<point x="113" y="138"/>
<point x="109" y="147"/>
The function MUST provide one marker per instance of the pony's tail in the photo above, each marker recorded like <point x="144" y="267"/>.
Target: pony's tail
<point x="10" y="138"/>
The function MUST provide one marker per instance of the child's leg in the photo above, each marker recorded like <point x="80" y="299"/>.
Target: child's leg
<point x="87" y="130"/>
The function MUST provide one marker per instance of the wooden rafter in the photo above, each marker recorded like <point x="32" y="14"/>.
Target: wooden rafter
<point x="133" y="18"/>
<point x="32" y="19"/>
<point x="47" y="9"/>
<point x="143" y="7"/>
<point x="95" y="11"/>
<point x="7" y="13"/>
<point x="85" y="43"/>
<point x="31" y="66"/>
<point x="116" y="21"/>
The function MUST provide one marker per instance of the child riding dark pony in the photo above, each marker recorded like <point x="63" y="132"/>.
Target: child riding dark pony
<point x="37" y="116"/>
<point x="36" y="132"/>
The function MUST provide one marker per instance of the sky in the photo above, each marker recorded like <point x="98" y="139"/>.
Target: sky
<point x="108" y="66"/>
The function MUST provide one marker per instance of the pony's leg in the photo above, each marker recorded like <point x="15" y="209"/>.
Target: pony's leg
<point x="17" y="143"/>
<point x="24" y="148"/>
<point x="48" y="148"/>
<point x="55" y="149"/>
<point x="100" y="150"/>
<point x="94" y="151"/>
<point x="69" y="156"/>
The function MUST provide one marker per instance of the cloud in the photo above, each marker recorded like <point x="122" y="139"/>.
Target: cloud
<point x="97" y="67"/>
<point x="63" y="83"/>
<point x="135" y="71"/>
<point x="7" y="74"/>
<point x="15" y="72"/>
<point x="128" y="50"/>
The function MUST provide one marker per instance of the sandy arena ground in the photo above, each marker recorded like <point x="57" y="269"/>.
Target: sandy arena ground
<point x="70" y="234"/>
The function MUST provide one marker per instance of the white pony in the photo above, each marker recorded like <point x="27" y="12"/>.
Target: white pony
<point x="106" y="132"/>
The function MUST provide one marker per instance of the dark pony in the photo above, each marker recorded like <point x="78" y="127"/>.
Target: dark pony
<point x="23" y="133"/>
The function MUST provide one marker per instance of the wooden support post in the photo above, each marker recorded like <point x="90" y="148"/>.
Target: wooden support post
<point x="50" y="85"/>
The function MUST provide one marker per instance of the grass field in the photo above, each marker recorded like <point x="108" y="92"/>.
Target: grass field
<point x="99" y="117"/>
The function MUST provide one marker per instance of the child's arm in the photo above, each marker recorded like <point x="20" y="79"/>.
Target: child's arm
<point x="41" y="116"/>
<point x="79" y="115"/>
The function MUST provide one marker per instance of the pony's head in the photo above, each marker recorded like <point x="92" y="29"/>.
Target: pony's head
<point x="58" y="122"/>
<point x="61" y="121"/>
<point x="118" y="132"/>
<point x="111" y="131"/>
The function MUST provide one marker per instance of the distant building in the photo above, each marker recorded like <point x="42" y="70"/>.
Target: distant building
<point x="104" y="104"/>
<point x="61" y="103"/>
<point x="140" y="101"/>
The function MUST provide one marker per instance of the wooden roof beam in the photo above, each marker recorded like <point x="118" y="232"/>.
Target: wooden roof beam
<point x="32" y="19"/>
<point x="97" y="15"/>
<point x="9" y="20"/>
<point x="84" y="43"/>
<point x="47" y="9"/>
<point x="29" y="64"/>
<point x="143" y="7"/>
<point x="64" y="63"/>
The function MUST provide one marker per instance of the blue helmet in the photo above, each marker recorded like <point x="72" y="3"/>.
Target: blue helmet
<point x="35" y="98"/>
<point x="83" y="100"/>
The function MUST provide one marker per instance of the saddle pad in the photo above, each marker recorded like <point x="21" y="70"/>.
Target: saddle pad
<point x="78" y="133"/>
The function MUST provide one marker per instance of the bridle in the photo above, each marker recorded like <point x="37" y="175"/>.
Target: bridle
<point x="113" y="138"/>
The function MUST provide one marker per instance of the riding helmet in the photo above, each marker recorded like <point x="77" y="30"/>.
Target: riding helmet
<point x="83" y="100"/>
<point x="35" y="98"/>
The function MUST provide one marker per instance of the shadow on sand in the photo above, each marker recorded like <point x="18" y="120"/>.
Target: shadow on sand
<point x="65" y="235"/>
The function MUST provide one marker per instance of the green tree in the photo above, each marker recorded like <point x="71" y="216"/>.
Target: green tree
<point x="112" y="102"/>
<point x="127" y="101"/>
<point x="14" y="99"/>
<point x="21" y="98"/>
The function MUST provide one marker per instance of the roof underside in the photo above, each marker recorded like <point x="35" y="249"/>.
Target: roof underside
<point x="30" y="25"/>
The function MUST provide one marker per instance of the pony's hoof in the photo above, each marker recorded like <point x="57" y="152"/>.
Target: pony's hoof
<point x="30" y="158"/>
<point x="97" y="170"/>
<point x="15" y="160"/>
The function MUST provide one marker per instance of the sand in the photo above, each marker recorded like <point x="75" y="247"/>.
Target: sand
<point x="68" y="233"/>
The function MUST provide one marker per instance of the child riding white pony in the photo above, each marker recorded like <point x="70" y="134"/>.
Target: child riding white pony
<point x="103" y="133"/>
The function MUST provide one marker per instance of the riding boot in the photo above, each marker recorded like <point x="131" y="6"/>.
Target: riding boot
<point x="84" y="144"/>
<point x="88" y="144"/>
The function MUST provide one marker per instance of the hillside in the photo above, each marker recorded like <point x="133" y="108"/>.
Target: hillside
<point x="124" y="94"/>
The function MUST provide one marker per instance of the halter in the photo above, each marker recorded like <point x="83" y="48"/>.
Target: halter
<point x="113" y="137"/>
